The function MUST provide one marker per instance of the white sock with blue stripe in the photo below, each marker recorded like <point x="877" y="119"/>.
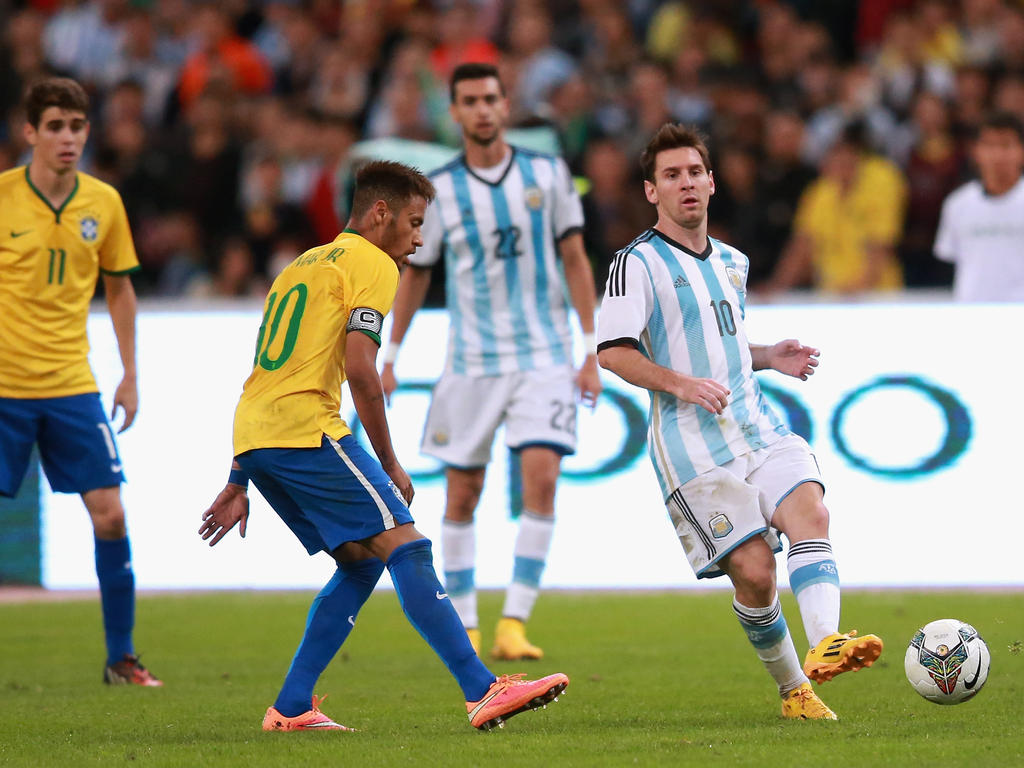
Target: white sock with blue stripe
<point x="814" y="579"/>
<point x="767" y="631"/>
<point x="458" y="546"/>
<point x="531" y="555"/>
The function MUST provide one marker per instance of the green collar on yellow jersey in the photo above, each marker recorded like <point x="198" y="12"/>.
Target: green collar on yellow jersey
<point x="57" y="211"/>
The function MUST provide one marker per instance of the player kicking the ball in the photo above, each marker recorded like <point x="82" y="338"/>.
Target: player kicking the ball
<point x="731" y="472"/>
<point x="321" y="326"/>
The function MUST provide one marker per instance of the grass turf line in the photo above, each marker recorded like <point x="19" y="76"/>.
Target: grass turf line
<point x="657" y="679"/>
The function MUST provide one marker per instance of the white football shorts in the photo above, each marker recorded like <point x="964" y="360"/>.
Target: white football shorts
<point x="717" y="511"/>
<point x="537" y="408"/>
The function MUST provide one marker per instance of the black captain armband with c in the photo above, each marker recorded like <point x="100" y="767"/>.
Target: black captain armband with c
<point x="369" y="321"/>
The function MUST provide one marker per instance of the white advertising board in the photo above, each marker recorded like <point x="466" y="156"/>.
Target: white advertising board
<point x="913" y="415"/>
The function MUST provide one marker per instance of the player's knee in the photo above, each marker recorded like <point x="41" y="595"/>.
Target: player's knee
<point x="751" y="569"/>
<point x="814" y="520"/>
<point x="108" y="522"/>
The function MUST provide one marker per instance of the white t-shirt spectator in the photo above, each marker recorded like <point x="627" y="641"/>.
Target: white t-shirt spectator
<point x="983" y="236"/>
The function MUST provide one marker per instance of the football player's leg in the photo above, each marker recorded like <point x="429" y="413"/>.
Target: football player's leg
<point x="464" y="414"/>
<point x="411" y="564"/>
<point x="331" y="618"/>
<point x="751" y="568"/>
<point x="540" y="468"/>
<point x="113" y="570"/>
<point x="458" y="542"/>
<point x="813" y="575"/>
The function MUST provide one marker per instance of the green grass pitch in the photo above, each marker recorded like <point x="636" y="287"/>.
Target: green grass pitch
<point x="657" y="679"/>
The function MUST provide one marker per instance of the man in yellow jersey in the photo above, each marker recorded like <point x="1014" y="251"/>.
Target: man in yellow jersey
<point x="321" y="326"/>
<point x="62" y="228"/>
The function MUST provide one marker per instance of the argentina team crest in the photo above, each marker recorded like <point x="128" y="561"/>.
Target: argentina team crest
<point x="720" y="526"/>
<point x="734" y="277"/>
<point x="534" y="198"/>
<point x="90" y="228"/>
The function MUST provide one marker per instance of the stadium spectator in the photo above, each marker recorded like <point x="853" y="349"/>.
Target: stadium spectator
<point x="934" y="169"/>
<point x="327" y="205"/>
<point x="782" y="177"/>
<point x="461" y="39"/>
<point x="207" y="162"/>
<point x="613" y="211"/>
<point x="981" y="231"/>
<point x="729" y="64"/>
<point x="847" y="224"/>
<point x="540" y="66"/>
<point x="22" y="60"/>
<point x="859" y="100"/>
<point x="84" y="36"/>
<point x="147" y="59"/>
<point x="221" y="57"/>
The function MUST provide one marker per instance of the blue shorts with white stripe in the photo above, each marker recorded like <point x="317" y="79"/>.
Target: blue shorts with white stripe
<point x="329" y="495"/>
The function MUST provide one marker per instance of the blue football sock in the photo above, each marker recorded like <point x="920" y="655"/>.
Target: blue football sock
<point x="429" y="610"/>
<point x="117" y="595"/>
<point x="331" y="618"/>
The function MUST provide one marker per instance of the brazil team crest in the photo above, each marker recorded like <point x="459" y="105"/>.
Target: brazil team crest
<point x="90" y="229"/>
<point x="534" y="198"/>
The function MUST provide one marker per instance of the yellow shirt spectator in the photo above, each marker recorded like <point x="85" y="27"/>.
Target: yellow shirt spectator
<point x="843" y="226"/>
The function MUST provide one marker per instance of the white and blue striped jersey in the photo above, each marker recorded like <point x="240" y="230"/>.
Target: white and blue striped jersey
<point x="685" y="311"/>
<point x="505" y="289"/>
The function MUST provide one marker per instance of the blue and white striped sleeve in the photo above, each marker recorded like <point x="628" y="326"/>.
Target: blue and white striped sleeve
<point x="627" y="305"/>
<point x="567" y="213"/>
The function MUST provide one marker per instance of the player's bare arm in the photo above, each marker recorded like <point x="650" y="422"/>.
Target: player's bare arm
<point x="412" y="290"/>
<point x="629" y="364"/>
<point x="795" y="267"/>
<point x="368" y="398"/>
<point x="230" y="508"/>
<point x="122" y="305"/>
<point x="579" y="278"/>
<point x="788" y="356"/>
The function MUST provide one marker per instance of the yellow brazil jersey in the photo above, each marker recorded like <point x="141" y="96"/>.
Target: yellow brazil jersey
<point x="293" y="395"/>
<point x="50" y="260"/>
<point x="842" y="225"/>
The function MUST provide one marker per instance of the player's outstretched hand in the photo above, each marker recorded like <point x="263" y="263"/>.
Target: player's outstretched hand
<point x="126" y="397"/>
<point x="230" y="508"/>
<point x="794" y="359"/>
<point x="388" y="381"/>
<point x="588" y="381"/>
<point x="707" y="393"/>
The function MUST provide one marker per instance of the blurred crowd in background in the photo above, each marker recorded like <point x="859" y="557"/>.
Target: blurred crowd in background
<point x="227" y="126"/>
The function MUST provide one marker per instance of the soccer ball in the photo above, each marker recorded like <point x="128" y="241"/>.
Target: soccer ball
<point x="947" y="661"/>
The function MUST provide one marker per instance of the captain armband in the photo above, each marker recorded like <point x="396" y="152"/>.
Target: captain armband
<point x="369" y="321"/>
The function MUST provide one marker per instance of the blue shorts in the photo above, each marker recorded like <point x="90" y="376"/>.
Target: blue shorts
<point x="329" y="495"/>
<point x="75" y="441"/>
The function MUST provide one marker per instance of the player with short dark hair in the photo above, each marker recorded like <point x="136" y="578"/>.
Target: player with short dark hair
<point x="508" y="223"/>
<point x="732" y="474"/>
<point x="62" y="229"/>
<point x="981" y="230"/>
<point x="321" y="326"/>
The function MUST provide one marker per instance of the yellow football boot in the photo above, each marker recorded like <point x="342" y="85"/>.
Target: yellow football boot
<point x="840" y="653"/>
<point x="510" y="643"/>
<point x="474" y="639"/>
<point x="803" y="704"/>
